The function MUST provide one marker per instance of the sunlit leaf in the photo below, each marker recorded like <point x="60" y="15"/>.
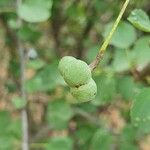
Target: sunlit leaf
<point x="35" y="11"/>
<point x="123" y="37"/>
<point x="140" y="20"/>
<point x="121" y="61"/>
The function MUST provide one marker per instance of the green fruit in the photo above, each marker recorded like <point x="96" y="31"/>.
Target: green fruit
<point x="63" y="64"/>
<point x="85" y="92"/>
<point x="75" y="72"/>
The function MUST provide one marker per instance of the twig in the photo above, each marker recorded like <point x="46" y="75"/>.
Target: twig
<point x="25" y="137"/>
<point x="100" y="54"/>
<point x="86" y="30"/>
<point x="88" y="116"/>
<point x="57" y="23"/>
<point x="46" y="128"/>
<point x="9" y="33"/>
<point x="12" y="45"/>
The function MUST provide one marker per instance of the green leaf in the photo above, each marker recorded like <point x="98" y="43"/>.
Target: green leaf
<point x="60" y="143"/>
<point x="14" y="129"/>
<point x="128" y="146"/>
<point x="42" y="3"/>
<point x="127" y="87"/>
<point x="129" y="134"/>
<point x="141" y="52"/>
<point x="5" y="120"/>
<point x="46" y="79"/>
<point x="12" y="23"/>
<point x="88" y="107"/>
<point x="106" y="86"/>
<point x="35" y="11"/>
<point x="6" y="143"/>
<point x="6" y="3"/>
<point x="84" y="134"/>
<point x="140" y="20"/>
<point x="7" y="124"/>
<point x="35" y="64"/>
<point x="76" y="13"/>
<point x="121" y="61"/>
<point x="59" y="113"/>
<point x="102" y="139"/>
<point x="10" y="131"/>
<point x="140" y="112"/>
<point x="124" y="36"/>
<point x="91" y="53"/>
<point x="27" y="33"/>
<point x="128" y="138"/>
<point x="19" y="103"/>
<point x="35" y="85"/>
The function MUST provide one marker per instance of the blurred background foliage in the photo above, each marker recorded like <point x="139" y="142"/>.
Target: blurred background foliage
<point x="52" y="29"/>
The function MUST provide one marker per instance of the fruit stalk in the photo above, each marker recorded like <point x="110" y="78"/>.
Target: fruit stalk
<point x="105" y="44"/>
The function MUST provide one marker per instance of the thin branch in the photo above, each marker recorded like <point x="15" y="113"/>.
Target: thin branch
<point x="90" y="22"/>
<point x="104" y="46"/>
<point x="9" y="33"/>
<point x="88" y="116"/>
<point x="20" y="47"/>
<point x="57" y="22"/>
<point x="46" y="128"/>
<point x="80" y="43"/>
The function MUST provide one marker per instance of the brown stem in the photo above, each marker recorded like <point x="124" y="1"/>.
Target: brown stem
<point x="80" y="43"/>
<point x="96" y="61"/>
<point x="90" y="22"/>
<point x="57" y="21"/>
<point x="12" y="47"/>
<point x="10" y="34"/>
